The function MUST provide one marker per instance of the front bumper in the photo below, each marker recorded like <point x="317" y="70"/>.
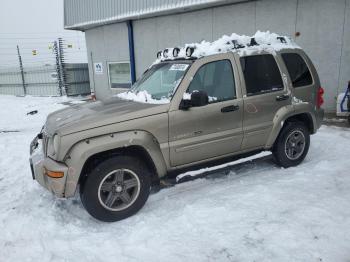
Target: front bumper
<point x="40" y="164"/>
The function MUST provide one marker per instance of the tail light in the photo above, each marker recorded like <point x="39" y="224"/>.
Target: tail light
<point x="320" y="99"/>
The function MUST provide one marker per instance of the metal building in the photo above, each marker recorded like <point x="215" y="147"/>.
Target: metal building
<point x="123" y="36"/>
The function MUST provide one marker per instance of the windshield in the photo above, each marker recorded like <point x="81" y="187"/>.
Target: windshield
<point x="161" y="80"/>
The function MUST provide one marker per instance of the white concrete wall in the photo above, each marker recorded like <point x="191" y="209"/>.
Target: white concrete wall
<point x="324" y="26"/>
<point x="106" y="44"/>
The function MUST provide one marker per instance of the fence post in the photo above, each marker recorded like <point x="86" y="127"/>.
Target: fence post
<point x="22" y="71"/>
<point x="62" y="64"/>
<point x="58" y="70"/>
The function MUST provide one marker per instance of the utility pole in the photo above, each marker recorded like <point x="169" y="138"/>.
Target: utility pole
<point x="22" y="71"/>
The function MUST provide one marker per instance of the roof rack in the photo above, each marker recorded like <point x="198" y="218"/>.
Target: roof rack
<point x="237" y="45"/>
<point x="282" y="39"/>
<point x="252" y="42"/>
<point x="224" y="44"/>
<point x="192" y="58"/>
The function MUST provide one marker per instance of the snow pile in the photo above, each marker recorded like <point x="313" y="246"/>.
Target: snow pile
<point x="296" y="101"/>
<point x="266" y="41"/>
<point x="142" y="97"/>
<point x="255" y="212"/>
<point x="187" y="96"/>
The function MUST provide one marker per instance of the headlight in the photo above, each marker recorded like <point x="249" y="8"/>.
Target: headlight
<point x="56" y="143"/>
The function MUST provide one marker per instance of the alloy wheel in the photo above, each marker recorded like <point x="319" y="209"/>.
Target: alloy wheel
<point x="295" y="145"/>
<point x="119" y="189"/>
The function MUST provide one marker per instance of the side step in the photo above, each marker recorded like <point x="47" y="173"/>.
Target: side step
<point x="217" y="171"/>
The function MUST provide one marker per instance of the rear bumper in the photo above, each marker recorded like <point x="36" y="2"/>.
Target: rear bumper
<point x="40" y="164"/>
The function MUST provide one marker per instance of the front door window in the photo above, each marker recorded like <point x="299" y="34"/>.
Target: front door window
<point x="216" y="79"/>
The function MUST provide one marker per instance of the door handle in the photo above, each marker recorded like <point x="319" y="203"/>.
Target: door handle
<point x="229" y="108"/>
<point x="282" y="97"/>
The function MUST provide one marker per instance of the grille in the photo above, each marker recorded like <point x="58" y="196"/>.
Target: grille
<point x="45" y="143"/>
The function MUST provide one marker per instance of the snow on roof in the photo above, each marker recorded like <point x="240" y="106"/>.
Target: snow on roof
<point x="242" y="44"/>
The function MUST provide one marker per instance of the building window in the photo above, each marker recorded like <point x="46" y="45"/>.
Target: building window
<point x="261" y="74"/>
<point x="297" y="69"/>
<point x="119" y="75"/>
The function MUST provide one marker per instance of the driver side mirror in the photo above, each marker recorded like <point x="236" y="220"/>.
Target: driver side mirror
<point x="198" y="98"/>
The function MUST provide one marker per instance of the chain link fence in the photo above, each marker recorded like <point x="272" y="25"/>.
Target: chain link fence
<point x="44" y="81"/>
<point x="11" y="82"/>
<point x="55" y="78"/>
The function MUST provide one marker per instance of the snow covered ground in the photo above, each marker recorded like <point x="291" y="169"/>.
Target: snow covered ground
<point x="257" y="212"/>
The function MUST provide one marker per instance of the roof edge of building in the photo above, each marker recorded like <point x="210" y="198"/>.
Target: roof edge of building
<point x="151" y="13"/>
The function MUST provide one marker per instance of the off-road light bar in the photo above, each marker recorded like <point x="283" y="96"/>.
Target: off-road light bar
<point x="189" y="51"/>
<point x="282" y="39"/>
<point x="165" y="53"/>
<point x="176" y="52"/>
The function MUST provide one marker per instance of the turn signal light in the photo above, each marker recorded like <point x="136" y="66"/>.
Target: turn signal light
<point x="54" y="174"/>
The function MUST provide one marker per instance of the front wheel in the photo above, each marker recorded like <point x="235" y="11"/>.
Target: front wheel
<point x="292" y="144"/>
<point x="116" y="188"/>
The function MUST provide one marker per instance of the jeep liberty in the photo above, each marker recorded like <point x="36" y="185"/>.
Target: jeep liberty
<point x="189" y="108"/>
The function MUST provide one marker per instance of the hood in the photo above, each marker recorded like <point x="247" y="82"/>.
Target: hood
<point x="95" y="114"/>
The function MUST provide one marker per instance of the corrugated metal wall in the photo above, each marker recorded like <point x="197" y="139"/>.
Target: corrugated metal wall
<point x="77" y="79"/>
<point x="324" y="28"/>
<point x="82" y="14"/>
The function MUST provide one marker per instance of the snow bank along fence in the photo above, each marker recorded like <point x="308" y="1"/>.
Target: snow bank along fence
<point x="45" y="80"/>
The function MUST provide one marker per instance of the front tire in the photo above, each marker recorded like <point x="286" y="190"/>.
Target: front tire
<point x="292" y="145"/>
<point x="116" y="189"/>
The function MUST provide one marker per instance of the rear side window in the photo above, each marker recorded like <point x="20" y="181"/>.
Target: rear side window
<point x="297" y="69"/>
<point x="261" y="74"/>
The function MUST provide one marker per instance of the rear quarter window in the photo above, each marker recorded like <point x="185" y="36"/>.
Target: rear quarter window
<point x="261" y="74"/>
<point x="298" y="70"/>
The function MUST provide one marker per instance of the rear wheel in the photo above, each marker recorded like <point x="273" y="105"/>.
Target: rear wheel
<point x="116" y="189"/>
<point x="292" y="144"/>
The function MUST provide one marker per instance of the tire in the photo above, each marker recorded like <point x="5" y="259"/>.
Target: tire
<point x="116" y="189"/>
<point x="292" y="145"/>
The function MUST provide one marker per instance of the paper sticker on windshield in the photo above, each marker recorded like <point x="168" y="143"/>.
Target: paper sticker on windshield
<point x="179" y="67"/>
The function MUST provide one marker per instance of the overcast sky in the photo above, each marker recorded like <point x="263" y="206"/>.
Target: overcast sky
<point x="34" y="25"/>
